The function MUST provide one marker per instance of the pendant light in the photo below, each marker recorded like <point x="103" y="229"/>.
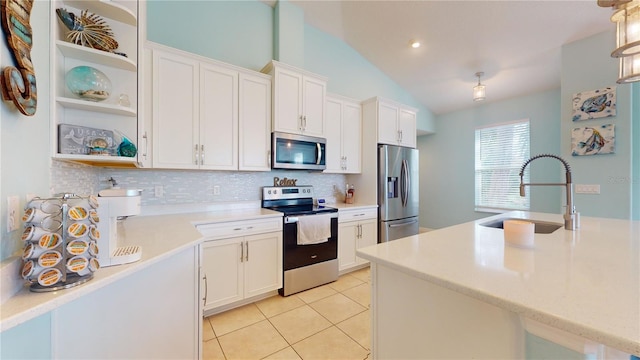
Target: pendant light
<point x="627" y="19"/>
<point x="478" y="90"/>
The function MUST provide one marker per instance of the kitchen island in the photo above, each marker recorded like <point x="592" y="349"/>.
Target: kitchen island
<point x="461" y="292"/>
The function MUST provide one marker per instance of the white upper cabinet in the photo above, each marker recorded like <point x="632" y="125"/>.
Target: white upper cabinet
<point x="218" y="118"/>
<point x="255" y="123"/>
<point x="396" y="122"/>
<point x="207" y="114"/>
<point x="344" y="135"/>
<point x="176" y="87"/>
<point x="298" y="100"/>
<point x="72" y="114"/>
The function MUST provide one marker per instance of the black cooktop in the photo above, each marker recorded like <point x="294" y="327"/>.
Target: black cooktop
<point x="302" y="209"/>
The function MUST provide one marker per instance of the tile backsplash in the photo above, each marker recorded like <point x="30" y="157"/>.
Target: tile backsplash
<point x="188" y="186"/>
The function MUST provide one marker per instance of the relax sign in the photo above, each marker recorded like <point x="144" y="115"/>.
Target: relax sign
<point x="284" y="182"/>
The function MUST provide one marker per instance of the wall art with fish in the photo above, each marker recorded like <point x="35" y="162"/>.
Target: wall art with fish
<point x="593" y="140"/>
<point x="594" y="104"/>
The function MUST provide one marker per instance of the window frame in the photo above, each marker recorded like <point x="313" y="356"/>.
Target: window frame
<point x="502" y="171"/>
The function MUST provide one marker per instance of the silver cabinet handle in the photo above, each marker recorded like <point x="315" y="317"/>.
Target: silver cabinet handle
<point x="301" y="124"/>
<point x="146" y="144"/>
<point x="246" y="258"/>
<point x="206" y="290"/>
<point x="195" y="154"/>
<point x="304" y="126"/>
<point x="241" y="251"/>
<point x="201" y="154"/>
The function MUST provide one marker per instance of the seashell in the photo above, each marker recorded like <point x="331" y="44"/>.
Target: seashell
<point x="88" y="30"/>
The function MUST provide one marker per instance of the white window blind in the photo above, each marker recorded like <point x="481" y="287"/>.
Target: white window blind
<point x="500" y="152"/>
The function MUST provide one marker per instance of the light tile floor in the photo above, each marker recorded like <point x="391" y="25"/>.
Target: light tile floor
<point x="327" y="322"/>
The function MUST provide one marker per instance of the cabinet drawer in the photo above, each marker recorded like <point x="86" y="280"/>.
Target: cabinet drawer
<point x="239" y="228"/>
<point x="356" y="215"/>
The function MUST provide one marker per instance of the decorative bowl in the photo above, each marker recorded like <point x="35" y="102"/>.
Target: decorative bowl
<point x="88" y="83"/>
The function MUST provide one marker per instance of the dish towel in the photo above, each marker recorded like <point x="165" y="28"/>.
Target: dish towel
<point x="314" y="229"/>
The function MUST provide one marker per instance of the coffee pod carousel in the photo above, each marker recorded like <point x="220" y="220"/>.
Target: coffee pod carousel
<point x="60" y="242"/>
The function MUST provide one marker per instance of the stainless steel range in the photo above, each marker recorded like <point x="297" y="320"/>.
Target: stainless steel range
<point x="310" y="237"/>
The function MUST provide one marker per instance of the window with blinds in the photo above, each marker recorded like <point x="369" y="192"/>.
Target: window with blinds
<point x="501" y="150"/>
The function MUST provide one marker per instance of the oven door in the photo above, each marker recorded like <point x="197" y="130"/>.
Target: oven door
<point x="296" y="256"/>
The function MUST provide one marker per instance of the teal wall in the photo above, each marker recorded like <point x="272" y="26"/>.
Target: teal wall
<point x="236" y="32"/>
<point x="635" y="163"/>
<point x="25" y="140"/>
<point x="447" y="158"/>
<point x="587" y="65"/>
<point x="251" y="33"/>
<point x="31" y="340"/>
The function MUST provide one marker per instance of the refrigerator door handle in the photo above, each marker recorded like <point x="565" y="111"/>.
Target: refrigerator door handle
<point x="403" y="224"/>
<point x="405" y="183"/>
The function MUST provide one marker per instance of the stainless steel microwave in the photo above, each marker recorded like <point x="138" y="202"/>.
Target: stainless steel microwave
<point x="291" y="151"/>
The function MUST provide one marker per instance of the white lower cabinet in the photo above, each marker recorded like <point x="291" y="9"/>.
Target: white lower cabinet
<point x="356" y="229"/>
<point x="240" y="267"/>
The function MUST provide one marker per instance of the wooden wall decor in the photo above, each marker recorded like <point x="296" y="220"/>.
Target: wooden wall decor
<point x="19" y="83"/>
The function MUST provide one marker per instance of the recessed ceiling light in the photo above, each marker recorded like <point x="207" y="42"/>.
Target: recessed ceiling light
<point x="415" y="44"/>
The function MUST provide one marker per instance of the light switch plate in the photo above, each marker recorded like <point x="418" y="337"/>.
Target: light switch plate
<point x="13" y="213"/>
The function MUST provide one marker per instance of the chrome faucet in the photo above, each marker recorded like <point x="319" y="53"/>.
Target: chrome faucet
<point x="571" y="217"/>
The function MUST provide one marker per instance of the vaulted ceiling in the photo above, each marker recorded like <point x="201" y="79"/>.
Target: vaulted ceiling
<point x="517" y="43"/>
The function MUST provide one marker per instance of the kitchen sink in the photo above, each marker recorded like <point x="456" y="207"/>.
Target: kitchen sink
<point x="540" y="227"/>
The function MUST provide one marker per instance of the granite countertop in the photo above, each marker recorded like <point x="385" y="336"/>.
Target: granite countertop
<point x="585" y="282"/>
<point x="160" y="237"/>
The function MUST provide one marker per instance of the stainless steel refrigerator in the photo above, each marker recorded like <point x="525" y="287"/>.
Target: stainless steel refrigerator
<point x="398" y="198"/>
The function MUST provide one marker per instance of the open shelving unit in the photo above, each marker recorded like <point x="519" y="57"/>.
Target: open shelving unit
<point x="68" y="109"/>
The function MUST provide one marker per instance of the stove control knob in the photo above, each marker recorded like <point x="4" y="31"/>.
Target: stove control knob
<point x="275" y="191"/>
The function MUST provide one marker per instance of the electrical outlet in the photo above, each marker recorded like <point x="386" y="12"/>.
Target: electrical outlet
<point x="159" y="191"/>
<point x="216" y="190"/>
<point x="13" y="213"/>
<point x="592" y="189"/>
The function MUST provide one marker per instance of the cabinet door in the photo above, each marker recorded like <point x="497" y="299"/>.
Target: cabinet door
<point x="352" y="137"/>
<point x="347" y="233"/>
<point x="368" y="236"/>
<point x="314" y="94"/>
<point x="218" y="118"/>
<point x="333" y="134"/>
<point x="223" y="267"/>
<point x="175" y="111"/>
<point x="263" y="263"/>
<point x="254" y="123"/>
<point x="407" y="128"/>
<point x="287" y="104"/>
<point x="387" y="124"/>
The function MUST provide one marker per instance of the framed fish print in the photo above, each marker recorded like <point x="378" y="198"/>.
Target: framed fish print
<point x="593" y="140"/>
<point x="594" y="104"/>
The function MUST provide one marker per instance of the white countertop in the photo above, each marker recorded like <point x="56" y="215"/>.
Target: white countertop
<point x="585" y="282"/>
<point x="357" y="206"/>
<point x="159" y="236"/>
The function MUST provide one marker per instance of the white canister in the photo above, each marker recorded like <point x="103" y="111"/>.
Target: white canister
<point x="519" y="233"/>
